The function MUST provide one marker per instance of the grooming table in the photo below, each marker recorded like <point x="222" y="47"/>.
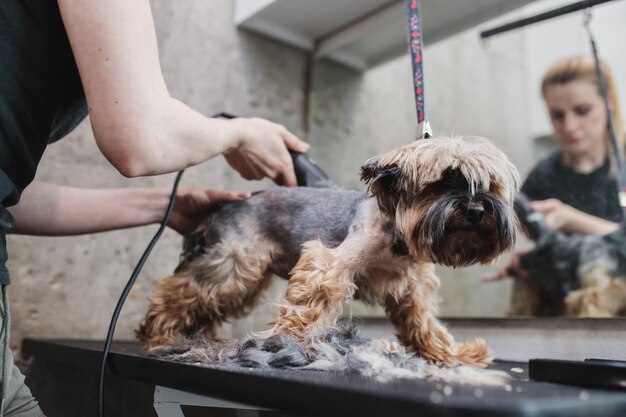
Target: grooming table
<point x="315" y="393"/>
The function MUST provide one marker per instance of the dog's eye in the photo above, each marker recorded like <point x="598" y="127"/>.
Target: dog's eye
<point x="459" y="183"/>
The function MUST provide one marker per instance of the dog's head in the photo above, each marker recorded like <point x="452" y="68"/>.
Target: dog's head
<point x="450" y="199"/>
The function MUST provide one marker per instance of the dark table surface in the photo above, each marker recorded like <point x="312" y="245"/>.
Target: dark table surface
<point x="315" y="393"/>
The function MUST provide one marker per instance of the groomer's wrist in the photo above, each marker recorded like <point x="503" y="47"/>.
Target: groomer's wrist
<point x="153" y="203"/>
<point x="571" y="219"/>
<point x="231" y="133"/>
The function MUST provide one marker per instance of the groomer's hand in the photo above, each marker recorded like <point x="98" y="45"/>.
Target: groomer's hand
<point x="513" y="269"/>
<point x="263" y="151"/>
<point x="556" y="214"/>
<point x="191" y="206"/>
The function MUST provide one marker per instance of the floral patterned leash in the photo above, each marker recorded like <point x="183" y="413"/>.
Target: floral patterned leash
<point x="414" y="29"/>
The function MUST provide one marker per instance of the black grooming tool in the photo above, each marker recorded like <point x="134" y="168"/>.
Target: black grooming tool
<point x="598" y="373"/>
<point x="308" y="173"/>
<point x="532" y="221"/>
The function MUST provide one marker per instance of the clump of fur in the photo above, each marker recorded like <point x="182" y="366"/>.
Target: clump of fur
<point x="335" y="349"/>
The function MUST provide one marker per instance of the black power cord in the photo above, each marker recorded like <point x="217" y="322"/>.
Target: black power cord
<point x="133" y="278"/>
<point x="129" y="285"/>
<point x="308" y="174"/>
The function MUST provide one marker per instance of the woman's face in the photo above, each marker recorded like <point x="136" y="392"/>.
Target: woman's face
<point x="578" y="116"/>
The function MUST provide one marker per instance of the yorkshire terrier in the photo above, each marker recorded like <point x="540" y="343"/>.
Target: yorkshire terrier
<point x="441" y="200"/>
<point x="572" y="275"/>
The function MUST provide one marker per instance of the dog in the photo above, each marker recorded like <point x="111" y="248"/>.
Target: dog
<point x="441" y="200"/>
<point x="572" y="275"/>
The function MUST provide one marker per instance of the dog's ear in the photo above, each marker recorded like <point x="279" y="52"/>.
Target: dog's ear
<point x="382" y="181"/>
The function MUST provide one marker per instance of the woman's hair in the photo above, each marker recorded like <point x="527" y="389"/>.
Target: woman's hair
<point x="582" y="67"/>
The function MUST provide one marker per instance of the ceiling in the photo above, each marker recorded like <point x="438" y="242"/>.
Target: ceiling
<point x="361" y="33"/>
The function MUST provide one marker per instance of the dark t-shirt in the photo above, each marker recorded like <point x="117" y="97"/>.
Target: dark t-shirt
<point x="41" y="95"/>
<point x="594" y="193"/>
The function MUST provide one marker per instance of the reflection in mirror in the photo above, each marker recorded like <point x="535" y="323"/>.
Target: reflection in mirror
<point x="570" y="274"/>
<point x="557" y="138"/>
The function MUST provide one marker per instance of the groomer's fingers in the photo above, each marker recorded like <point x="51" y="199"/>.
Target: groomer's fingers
<point x="219" y="196"/>
<point x="522" y="273"/>
<point x="294" y="143"/>
<point x="545" y="206"/>
<point x="195" y="200"/>
<point x="505" y="273"/>
<point x="502" y="272"/>
<point x="513" y="269"/>
<point x="495" y="276"/>
<point x="286" y="175"/>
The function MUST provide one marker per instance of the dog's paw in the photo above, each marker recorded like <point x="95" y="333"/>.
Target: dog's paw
<point x="446" y="357"/>
<point x="475" y="352"/>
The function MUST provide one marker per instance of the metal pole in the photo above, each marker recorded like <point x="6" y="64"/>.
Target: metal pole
<point x="542" y="16"/>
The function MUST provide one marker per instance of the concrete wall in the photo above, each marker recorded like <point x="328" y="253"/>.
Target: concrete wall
<point x="68" y="287"/>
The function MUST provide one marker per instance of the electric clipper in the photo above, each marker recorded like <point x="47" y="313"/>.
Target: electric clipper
<point x="308" y="173"/>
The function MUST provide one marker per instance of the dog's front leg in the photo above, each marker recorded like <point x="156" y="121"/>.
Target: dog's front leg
<point x="320" y="281"/>
<point x="323" y="277"/>
<point x="413" y="313"/>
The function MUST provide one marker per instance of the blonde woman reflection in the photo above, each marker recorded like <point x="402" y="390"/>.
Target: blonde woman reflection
<point x="574" y="188"/>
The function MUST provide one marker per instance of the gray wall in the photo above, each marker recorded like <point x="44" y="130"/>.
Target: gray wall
<point x="68" y="287"/>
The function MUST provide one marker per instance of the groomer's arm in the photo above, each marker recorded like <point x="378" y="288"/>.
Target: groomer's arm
<point x="563" y="217"/>
<point x="53" y="210"/>
<point x="139" y="128"/>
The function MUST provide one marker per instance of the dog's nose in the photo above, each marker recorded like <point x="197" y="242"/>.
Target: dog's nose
<point x="474" y="212"/>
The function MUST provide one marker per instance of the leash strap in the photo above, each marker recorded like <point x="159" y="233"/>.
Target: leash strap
<point x="620" y="177"/>
<point x="414" y="29"/>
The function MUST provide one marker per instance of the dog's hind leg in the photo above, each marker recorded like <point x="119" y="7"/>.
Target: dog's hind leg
<point x="605" y="300"/>
<point x="225" y="282"/>
<point x="601" y="295"/>
<point x="413" y="311"/>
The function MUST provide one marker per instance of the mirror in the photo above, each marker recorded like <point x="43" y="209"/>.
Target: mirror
<point x="486" y="88"/>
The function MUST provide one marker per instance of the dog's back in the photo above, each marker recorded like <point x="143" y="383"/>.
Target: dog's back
<point x="285" y="217"/>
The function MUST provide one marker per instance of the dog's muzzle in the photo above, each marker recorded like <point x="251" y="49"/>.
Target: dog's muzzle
<point x="474" y="212"/>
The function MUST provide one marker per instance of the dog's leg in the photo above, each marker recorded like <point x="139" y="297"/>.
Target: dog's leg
<point x="595" y="298"/>
<point x="324" y="277"/>
<point x="599" y="301"/>
<point x="225" y="283"/>
<point x="588" y="302"/>
<point x="319" y="283"/>
<point x="413" y="311"/>
<point x="525" y="298"/>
